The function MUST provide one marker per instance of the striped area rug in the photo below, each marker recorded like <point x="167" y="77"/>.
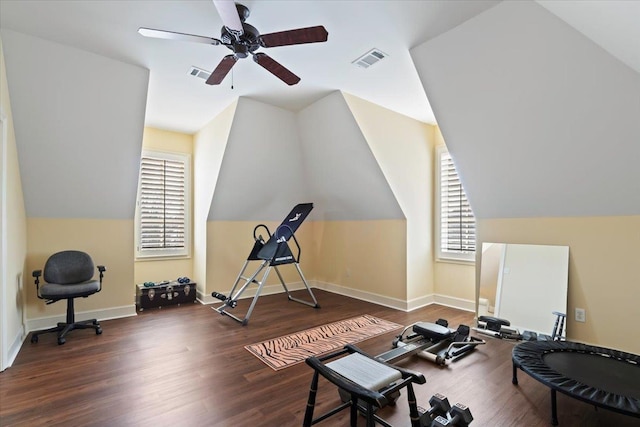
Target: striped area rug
<point x="288" y="350"/>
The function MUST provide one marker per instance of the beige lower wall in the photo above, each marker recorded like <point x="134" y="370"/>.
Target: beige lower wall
<point x="369" y="256"/>
<point x="603" y="270"/>
<point x="109" y="242"/>
<point x="455" y="280"/>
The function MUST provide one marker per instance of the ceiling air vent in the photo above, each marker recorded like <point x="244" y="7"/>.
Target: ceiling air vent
<point x="370" y="58"/>
<point x="199" y="72"/>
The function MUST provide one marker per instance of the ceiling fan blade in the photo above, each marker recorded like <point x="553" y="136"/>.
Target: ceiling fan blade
<point x="229" y="15"/>
<point x="171" y="35"/>
<point x="221" y="71"/>
<point x="298" y="36"/>
<point x="276" y="69"/>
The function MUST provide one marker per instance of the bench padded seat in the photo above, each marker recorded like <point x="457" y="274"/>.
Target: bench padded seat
<point x="365" y="371"/>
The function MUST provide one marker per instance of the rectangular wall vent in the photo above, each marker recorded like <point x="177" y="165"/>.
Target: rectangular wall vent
<point x="199" y="72"/>
<point x="368" y="59"/>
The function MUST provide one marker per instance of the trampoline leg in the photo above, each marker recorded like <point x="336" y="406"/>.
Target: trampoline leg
<point x="514" y="379"/>
<point x="554" y="408"/>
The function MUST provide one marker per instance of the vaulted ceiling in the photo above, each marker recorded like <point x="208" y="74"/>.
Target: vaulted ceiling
<point x="527" y="94"/>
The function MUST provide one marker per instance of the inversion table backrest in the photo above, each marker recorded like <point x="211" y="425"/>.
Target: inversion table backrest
<point x="285" y="230"/>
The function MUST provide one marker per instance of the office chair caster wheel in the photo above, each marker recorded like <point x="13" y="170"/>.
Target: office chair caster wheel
<point x="34" y="338"/>
<point x="61" y="341"/>
<point x="99" y="331"/>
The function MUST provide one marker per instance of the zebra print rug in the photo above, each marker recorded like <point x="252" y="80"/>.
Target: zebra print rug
<point x="288" y="350"/>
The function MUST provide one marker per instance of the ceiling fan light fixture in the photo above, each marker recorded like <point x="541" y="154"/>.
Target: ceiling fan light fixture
<point x="370" y="58"/>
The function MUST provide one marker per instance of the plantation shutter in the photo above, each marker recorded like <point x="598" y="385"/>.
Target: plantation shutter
<point x="162" y="204"/>
<point x="457" y="223"/>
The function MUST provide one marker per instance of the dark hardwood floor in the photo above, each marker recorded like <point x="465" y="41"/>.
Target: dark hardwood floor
<point x="187" y="366"/>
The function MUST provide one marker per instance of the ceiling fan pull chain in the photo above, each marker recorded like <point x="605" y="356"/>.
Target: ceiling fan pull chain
<point x="232" y="79"/>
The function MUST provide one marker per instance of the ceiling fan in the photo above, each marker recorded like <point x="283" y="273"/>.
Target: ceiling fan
<point x="243" y="40"/>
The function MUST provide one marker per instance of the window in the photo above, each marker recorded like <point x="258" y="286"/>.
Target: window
<point x="163" y="208"/>
<point x="456" y="225"/>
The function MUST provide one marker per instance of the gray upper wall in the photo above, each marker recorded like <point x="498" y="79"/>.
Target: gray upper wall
<point x="261" y="176"/>
<point x="343" y="174"/>
<point x="540" y="120"/>
<point x="276" y="159"/>
<point x="79" y="119"/>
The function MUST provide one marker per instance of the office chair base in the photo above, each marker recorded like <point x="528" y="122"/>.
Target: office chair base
<point x="63" y="328"/>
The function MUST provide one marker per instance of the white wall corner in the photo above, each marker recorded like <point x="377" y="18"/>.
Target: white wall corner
<point x="420" y="302"/>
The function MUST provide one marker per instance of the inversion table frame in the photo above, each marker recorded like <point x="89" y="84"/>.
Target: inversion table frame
<point x="273" y="253"/>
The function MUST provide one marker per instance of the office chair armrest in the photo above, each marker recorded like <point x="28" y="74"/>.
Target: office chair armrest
<point x="101" y="269"/>
<point x="37" y="274"/>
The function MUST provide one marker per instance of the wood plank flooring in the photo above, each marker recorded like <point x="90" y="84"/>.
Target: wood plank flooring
<point x="187" y="366"/>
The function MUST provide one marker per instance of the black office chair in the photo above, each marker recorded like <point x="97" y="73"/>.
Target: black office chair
<point x="68" y="275"/>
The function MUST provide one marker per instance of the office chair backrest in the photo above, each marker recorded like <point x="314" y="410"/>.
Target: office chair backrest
<point x="68" y="267"/>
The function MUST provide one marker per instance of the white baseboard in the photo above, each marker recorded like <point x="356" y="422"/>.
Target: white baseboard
<point x="14" y="348"/>
<point x="386" y="301"/>
<point x="102" y="314"/>
<point x="420" y="302"/>
<point x="455" y="302"/>
<point x="398" y="304"/>
<point x="250" y="292"/>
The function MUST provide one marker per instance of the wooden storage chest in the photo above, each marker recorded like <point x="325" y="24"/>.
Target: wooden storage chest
<point x="161" y="295"/>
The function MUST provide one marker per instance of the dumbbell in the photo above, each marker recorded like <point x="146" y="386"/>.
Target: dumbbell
<point x="459" y="416"/>
<point x="439" y="406"/>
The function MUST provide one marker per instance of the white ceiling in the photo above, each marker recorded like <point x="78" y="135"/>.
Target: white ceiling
<point x="180" y="102"/>
<point x="177" y="101"/>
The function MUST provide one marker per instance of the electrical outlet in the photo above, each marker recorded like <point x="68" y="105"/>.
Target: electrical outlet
<point x="581" y="315"/>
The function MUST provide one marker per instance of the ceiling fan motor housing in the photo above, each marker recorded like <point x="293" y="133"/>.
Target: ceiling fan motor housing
<point x="243" y="45"/>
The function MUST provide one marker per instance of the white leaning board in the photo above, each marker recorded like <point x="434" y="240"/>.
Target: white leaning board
<point x="534" y="285"/>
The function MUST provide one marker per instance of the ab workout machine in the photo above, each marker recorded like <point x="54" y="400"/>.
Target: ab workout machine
<point x="275" y="252"/>
<point x="367" y="384"/>
<point x="435" y="342"/>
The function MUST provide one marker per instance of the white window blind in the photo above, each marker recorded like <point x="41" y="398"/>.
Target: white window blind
<point x="163" y="205"/>
<point x="457" y="225"/>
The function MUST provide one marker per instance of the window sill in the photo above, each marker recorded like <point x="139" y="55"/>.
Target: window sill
<point x="160" y="257"/>
<point x="456" y="261"/>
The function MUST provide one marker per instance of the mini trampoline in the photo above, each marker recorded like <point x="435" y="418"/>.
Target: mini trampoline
<point x="599" y="376"/>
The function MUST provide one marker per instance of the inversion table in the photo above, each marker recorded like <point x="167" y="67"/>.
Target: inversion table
<point x="275" y="252"/>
